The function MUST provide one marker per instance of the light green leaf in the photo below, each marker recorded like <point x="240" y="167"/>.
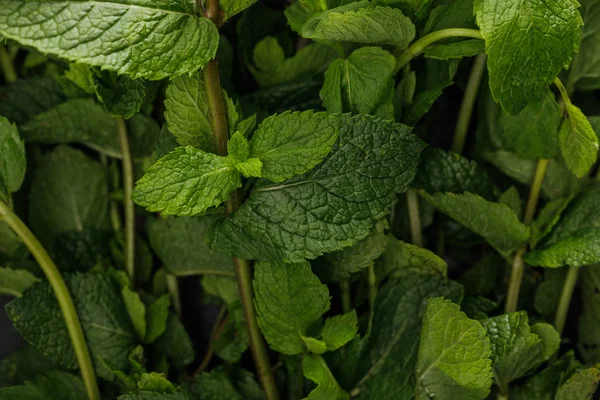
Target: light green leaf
<point x="157" y="313"/>
<point x="81" y="76"/>
<point x="233" y="7"/>
<point x="464" y="48"/>
<point x="528" y="43"/>
<point x="12" y="157"/>
<point x="452" y="363"/>
<point x="141" y="39"/>
<point x="292" y="143"/>
<point x="179" y="243"/>
<point x="272" y="68"/>
<point x="136" y="310"/>
<point x="106" y="325"/>
<point x="186" y="112"/>
<point x="175" y="343"/>
<point x="187" y="181"/>
<point x="288" y="299"/>
<point x="578" y="141"/>
<point x="361" y="22"/>
<point x="585" y="71"/>
<point x="315" y="369"/>
<point x="155" y="382"/>
<point x="360" y="83"/>
<point x="353" y="188"/>
<point x="581" y="386"/>
<point x="252" y="167"/>
<point x="339" y="330"/>
<point x="14" y="281"/>
<point x="495" y="222"/>
<point x="68" y="193"/>
<point x="238" y="149"/>
<point x="401" y="258"/>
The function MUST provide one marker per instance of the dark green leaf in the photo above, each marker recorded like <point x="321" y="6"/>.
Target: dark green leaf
<point x="12" y="157"/>
<point x="585" y="71"/>
<point x="581" y="386"/>
<point x="464" y="48"/>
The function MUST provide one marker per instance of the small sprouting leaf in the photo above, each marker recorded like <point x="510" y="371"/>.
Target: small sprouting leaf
<point x="238" y="148"/>
<point x="289" y="299"/>
<point x="339" y="330"/>
<point x="361" y="22"/>
<point x="361" y="83"/>
<point x="313" y="345"/>
<point x="315" y="369"/>
<point x="452" y="363"/>
<point x="578" y="141"/>
<point x="401" y="258"/>
<point x="12" y="158"/>
<point x="152" y="40"/>
<point x="14" y="281"/>
<point x="155" y="382"/>
<point x="581" y="386"/>
<point x="290" y="144"/>
<point x="187" y="181"/>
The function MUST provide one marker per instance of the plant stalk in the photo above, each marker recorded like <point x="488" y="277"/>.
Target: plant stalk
<point x="346" y="296"/>
<point x="518" y="265"/>
<point x="414" y="216"/>
<point x="127" y="202"/>
<point x="8" y="69"/>
<point x="372" y="279"/>
<point x="565" y="299"/>
<point x="62" y="296"/>
<point x="242" y="267"/>
<point x="468" y="104"/>
<point x="420" y="45"/>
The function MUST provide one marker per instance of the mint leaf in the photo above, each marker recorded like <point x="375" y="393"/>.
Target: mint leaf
<point x="452" y="363"/>
<point x="26" y="98"/>
<point x="288" y="299"/>
<point x="512" y="199"/>
<point x="175" y="343"/>
<point x="12" y="157"/>
<point x="314" y="346"/>
<point x="361" y="22"/>
<point x="339" y="330"/>
<point x="136" y="310"/>
<point x="290" y="144"/>
<point x="528" y="43"/>
<point x="233" y="7"/>
<point x="464" y="48"/>
<point x="315" y="369"/>
<point x="495" y="222"/>
<point x="581" y="386"/>
<point x="578" y="141"/>
<point x="106" y="325"/>
<point x="143" y="40"/>
<point x="48" y="385"/>
<point x="453" y="14"/>
<point x="155" y="382"/>
<point x="547" y="218"/>
<point x="354" y="186"/>
<point x="585" y="70"/>
<point x="400" y="258"/>
<point x="361" y="83"/>
<point x="14" y="281"/>
<point x="179" y="243"/>
<point x="120" y="95"/>
<point x="187" y="181"/>
<point x="157" y="313"/>
<point x="588" y="339"/>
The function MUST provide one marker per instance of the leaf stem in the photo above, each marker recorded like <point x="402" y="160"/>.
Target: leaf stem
<point x="468" y="104"/>
<point x="372" y="279"/>
<point x="565" y="299"/>
<point x="127" y="202"/>
<point x="8" y="69"/>
<point x="242" y="267"/>
<point x="420" y="45"/>
<point x="346" y="296"/>
<point x="414" y="216"/>
<point x="564" y="94"/>
<point x="518" y="265"/>
<point x="62" y="296"/>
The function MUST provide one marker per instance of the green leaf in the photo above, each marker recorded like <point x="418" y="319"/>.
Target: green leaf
<point x="464" y="48"/>
<point x="157" y="313"/>
<point x="512" y="199"/>
<point x="81" y="76"/>
<point x="120" y="95"/>
<point x="578" y="141"/>
<point x="339" y="330"/>
<point x="238" y="149"/>
<point x="315" y="346"/>
<point x="26" y="98"/>
<point x="149" y="395"/>
<point x="214" y="386"/>
<point x="452" y="363"/>
<point x="271" y="67"/>
<point x="141" y="39"/>
<point x="452" y="14"/>
<point x="179" y="243"/>
<point x="155" y="382"/>
<point x="588" y="338"/>
<point x="186" y="112"/>
<point x="187" y="181"/>
<point x="441" y="171"/>
<point x="12" y="157"/>
<point x="290" y="144"/>
<point x="106" y="325"/>
<point x="22" y="365"/>
<point x="534" y="132"/>
<point x="495" y="222"/>
<point x="547" y="295"/>
<point x="315" y="369"/>
<point x="288" y="299"/>
<point x="14" y="281"/>
<point x="518" y="348"/>
<point x="528" y="43"/>
<point x="360" y="83"/>
<point x="401" y="258"/>
<point x="136" y="310"/>
<point x="68" y="193"/>
<point x="423" y="102"/>
<point x="581" y="386"/>
<point x="361" y="22"/>
<point x="233" y="7"/>
<point x="547" y="218"/>
<point x="53" y="385"/>
<point x="585" y="70"/>
<point x="175" y="343"/>
<point x="351" y="189"/>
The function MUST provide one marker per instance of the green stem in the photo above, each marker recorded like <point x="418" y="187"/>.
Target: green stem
<point x="414" y="216"/>
<point x="514" y="286"/>
<point x="565" y="299"/>
<point x="62" y="296"/>
<point x="468" y="104"/>
<point x="420" y="45"/>
<point x="346" y="296"/>
<point x="242" y="267"/>
<point x="8" y="69"/>
<point x="372" y="279"/>
<point x="128" y="203"/>
<point x="564" y="94"/>
<point x="173" y="287"/>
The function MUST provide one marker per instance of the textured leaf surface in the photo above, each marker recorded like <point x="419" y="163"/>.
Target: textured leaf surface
<point x="187" y="181"/>
<point x="315" y="369"/>
<point x="578" y="142"/>
<point x="332" y="206"/>
<point x="581" y="386"/>
<point x="12" y="157"/>
<point x="401" y="258"/>
<point x="14" y="281"/>
<point x="528" y="42"/>
<point x="288" y="298"/>
<point x="339" y="330"/>
<point x="452" y="363"/>
<point x="152" y="40"/>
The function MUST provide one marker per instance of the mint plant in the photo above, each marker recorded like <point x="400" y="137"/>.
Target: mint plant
<point x="331" y="199"/>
